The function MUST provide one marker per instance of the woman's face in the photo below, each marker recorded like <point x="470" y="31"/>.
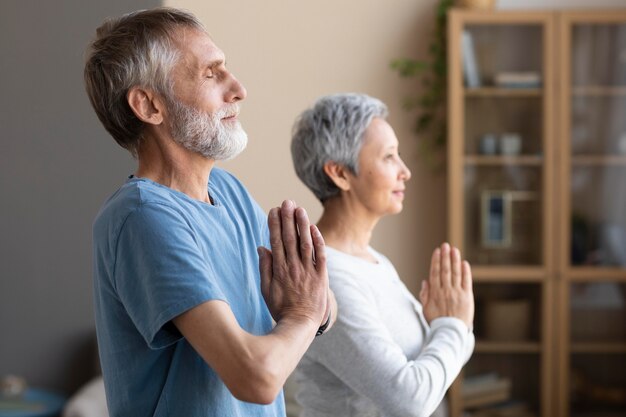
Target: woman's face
<point x="379" y="186"/>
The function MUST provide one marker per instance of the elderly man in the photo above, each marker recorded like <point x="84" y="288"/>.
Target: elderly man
<point x="183" y="304"/>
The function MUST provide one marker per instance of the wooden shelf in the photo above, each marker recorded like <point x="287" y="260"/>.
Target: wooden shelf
<point x="586" y="273"/>
<point x="500" y="160"/>
<point x="507" y="347"/>
<point x="602" y="160"/>
<point x="503" y="92"/>
<point x="599" y="91"/>
<point x="598" y="348"/>
<point x="507" y="274"/>
<point x="549" y="115"/>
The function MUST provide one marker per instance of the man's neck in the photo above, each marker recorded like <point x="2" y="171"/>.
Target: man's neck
<point x="169" y="164"/>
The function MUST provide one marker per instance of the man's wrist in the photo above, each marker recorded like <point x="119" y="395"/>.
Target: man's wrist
<point x="324" y="326"/>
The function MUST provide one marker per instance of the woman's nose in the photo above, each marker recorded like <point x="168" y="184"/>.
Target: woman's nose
<point x="405" y="172"/>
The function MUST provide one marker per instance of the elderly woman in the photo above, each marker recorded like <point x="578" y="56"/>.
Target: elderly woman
<point x="388" y="354"/>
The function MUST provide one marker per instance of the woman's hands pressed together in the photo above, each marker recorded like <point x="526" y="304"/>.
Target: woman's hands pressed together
<point x="448" y="290"/>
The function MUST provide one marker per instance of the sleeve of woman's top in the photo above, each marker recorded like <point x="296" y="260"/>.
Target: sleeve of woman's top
<point x="361" y="352"/>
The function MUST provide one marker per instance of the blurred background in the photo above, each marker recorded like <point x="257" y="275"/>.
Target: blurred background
<point x="58" y="165"/>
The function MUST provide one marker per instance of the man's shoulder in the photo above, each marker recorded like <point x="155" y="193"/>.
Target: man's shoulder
<point x="231" y="189"/>
<point x="131" y="197"/>
<point x="224" y="180"/>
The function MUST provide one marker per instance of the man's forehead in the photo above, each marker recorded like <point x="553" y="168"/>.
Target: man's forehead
<point x="198" y="49"/>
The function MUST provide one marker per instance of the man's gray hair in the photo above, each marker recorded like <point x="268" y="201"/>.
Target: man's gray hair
<point x="137" y="49"/>
<point x="331" y="130"/>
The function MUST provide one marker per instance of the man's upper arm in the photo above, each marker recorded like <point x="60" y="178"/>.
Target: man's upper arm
<point x="160" y="272"/>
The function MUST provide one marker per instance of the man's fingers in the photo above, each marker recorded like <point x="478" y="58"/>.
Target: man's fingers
<point x="456" y="267"/>
<point x="265" y="270"/>
<point x="276" y="235"/>
<point x="319" y="247"/>
<point x="289" y="232"/>
<point x="445" y="265"/>
<point x="306" y="241"/>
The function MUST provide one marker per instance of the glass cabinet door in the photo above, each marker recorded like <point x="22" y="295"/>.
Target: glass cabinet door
<point x="598" y="145"/>
<point x="594" y="289"/>
<point x="504" y="133"/>
<point x="500" y="164"/>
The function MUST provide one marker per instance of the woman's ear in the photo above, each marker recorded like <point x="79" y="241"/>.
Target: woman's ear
<point x="147" y="106"/>
<point x="338" y="174"/>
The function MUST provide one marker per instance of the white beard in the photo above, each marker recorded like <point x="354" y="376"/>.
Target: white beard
<point x="205" y="133"/>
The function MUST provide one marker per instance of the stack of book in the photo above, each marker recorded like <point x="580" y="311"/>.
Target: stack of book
<point x="485" y="389"/>
<point x="518" y="80"/>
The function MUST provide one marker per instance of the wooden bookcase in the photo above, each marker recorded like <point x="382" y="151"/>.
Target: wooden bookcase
<point x="537" y="204"/>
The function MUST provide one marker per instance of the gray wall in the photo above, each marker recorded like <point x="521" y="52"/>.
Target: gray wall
<point x="57" y="165"/>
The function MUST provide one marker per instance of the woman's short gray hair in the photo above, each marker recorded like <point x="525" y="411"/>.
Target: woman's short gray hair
<point x="331" y="130"/>
<point x="137" y="49"/>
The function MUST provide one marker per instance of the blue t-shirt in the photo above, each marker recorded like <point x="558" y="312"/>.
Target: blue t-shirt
<point x="157" y="254"/>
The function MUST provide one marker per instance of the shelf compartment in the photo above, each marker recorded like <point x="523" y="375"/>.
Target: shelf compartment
<point x="521" y="370"/>
<point x="597" y="127"/>
<point x="599" y="90"/>
<point x="503" y="213"/>
<point x="598" y="384"/>
<point x="598" y="160"/>
<point x="499" y="160"/>
<point x="597" y="314"/>
<point x="598" y="348"/>
<point x="503" y="92"/>
<point x="507" y="347"/>
<point x="489" y="115"/>
<point x="507" y="314"/>
<point x="596" y="274"/>
<point x="512" y="273"/>
<point x="597" y="221"/>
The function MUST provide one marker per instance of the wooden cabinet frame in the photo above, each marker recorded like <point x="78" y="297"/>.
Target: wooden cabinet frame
<point x="554" y="274"/>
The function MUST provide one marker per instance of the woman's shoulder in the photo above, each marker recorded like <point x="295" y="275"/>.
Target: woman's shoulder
<point x="350" y="274"/>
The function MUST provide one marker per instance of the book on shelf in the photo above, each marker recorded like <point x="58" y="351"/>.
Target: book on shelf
<point x="468" y="57"/>
<point x="485" y="389"/>
<point x="517" y="80"/>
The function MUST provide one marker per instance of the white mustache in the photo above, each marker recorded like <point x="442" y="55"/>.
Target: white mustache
<point x="229" y="110"/>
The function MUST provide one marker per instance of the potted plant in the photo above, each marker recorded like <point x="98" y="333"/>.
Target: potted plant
<point x="430" y="102"/>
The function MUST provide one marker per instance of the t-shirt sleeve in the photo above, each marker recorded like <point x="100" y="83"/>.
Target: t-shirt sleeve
<point x="361" y="352"/>
<point x="160" y="272"/>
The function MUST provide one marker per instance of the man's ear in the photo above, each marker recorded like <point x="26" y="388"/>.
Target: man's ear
<point x="147" y="106"/>
<point x="338" y="174"/>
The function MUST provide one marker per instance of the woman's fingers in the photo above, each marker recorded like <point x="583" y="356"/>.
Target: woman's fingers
<point x="456" y="267"/>
<point x="466" y="281"/>
<point x="435" y="268"/>
<point x="446" y="266"/>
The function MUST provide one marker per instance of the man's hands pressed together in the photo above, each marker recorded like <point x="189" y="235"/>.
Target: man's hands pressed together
<point x="294" y="280"/>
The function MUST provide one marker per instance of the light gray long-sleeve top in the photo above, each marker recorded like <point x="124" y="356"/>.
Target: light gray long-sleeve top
<point x="381" y="358"/>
